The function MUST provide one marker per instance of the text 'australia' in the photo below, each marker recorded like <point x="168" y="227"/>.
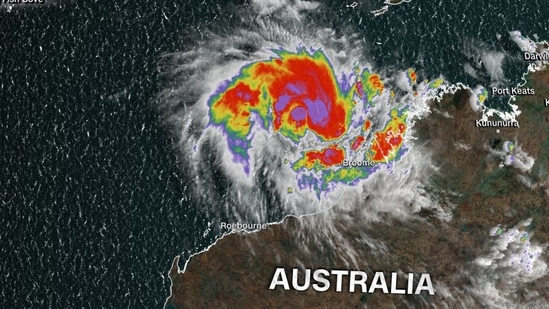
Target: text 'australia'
<point x="355" y="281"/>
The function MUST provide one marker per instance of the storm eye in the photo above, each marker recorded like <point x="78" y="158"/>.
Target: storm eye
<point x="299" y="113"/>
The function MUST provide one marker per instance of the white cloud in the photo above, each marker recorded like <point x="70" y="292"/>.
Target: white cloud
<point x="287" y="7"/>
<point x="512" y="260"/>
<point x="493" y="62"/>
<point x="470" y="70"/>
<point x="524" y="43"/>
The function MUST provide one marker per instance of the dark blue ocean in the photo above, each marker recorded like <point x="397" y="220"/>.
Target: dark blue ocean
<point x="94" y="203"/>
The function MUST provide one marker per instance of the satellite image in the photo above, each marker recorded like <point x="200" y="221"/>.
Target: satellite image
<point x="274" y="154"/>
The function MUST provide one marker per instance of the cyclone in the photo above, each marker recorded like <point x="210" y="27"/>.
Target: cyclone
<point x="299" y="96"/>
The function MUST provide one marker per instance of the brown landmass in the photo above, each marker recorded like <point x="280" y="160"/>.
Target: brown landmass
<point x="236" y="272"/>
